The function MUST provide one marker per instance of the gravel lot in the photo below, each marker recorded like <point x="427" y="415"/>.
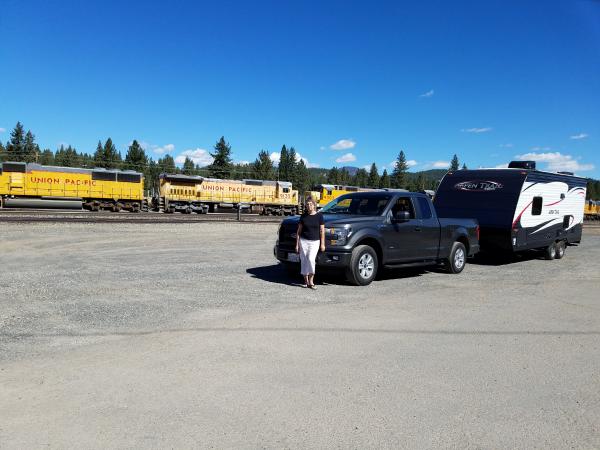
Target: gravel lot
<point x="189" y="335"/>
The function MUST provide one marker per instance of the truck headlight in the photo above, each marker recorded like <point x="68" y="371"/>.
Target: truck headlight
<point x="338" y="235"/>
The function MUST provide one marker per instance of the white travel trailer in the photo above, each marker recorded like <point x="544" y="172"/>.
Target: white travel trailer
<point x="518" y="208"/>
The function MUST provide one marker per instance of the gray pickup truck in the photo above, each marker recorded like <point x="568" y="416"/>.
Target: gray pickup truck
<point x="367" y="230"/>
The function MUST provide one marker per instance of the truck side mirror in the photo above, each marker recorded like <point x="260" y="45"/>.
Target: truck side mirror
<point x="401" y="216"/>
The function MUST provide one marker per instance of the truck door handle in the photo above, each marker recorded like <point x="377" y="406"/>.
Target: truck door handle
<point x="417" y="228"/>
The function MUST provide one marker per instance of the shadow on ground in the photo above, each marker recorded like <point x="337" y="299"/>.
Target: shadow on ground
<point x="502" y="259"/>
<point x="276" y="273"/>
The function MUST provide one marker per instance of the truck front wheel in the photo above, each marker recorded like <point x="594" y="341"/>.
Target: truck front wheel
<point x="458" y="258"/>
<point x="363" y="266"/>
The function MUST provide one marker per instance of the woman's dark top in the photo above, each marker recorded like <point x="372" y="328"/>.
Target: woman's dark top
<point x="310" y="226"/>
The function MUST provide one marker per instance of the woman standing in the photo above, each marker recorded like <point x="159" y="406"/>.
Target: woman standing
<point x="310" y="237"/>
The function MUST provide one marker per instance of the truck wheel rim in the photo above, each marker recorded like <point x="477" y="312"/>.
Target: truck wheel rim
<point x="366" y="266"/>
<point x="459" y="258"/>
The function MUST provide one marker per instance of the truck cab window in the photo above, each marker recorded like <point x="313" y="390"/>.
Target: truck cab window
<point x="536" y="207"/>
<point x="424" y="207"/>
<point x="404" y="204"/>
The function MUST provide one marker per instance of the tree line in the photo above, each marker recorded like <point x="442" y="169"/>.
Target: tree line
<point x="22" y="147"/>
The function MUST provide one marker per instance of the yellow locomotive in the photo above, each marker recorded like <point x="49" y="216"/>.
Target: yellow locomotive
<point x="591" y="210"/>
<point x="192" y="193"/>
<point x="324" y="193"/>
<point x="34" y="185"/>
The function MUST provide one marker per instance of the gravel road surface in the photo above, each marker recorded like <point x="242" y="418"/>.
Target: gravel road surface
<point x="189" y="335"/>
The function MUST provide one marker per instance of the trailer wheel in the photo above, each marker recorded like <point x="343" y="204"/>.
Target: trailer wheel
<point x="561" y="247"/>
<point x="550" y="252"/>
<point x="363" y="266"/>
<point x="458" y="258"/>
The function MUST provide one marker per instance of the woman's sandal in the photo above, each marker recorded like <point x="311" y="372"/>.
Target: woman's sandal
<point x="313" y="287"/>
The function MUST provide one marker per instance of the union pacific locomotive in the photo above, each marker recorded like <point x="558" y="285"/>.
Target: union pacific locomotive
<point x="34" y="185"/>
<point x="187" y="194"/>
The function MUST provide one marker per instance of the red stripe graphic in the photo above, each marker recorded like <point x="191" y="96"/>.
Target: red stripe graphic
<point x="519" y="216"/>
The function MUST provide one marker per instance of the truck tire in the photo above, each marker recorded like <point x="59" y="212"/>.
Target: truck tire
<point x="363" y="266"/>
<point x="561" y="247"/>
<point x="458" y="258"/>
<point x="550" y="252"/>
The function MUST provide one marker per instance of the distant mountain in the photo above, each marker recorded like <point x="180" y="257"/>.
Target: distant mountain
<point x="350" y="169"/>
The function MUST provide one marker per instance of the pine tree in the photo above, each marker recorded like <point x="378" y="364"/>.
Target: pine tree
<point x="302" y="178"/>
<point x="398" y="178"/>
<point x="283" y="168"/>
<point x="333" y="176"/>
<point x="112" y="158"/>
<point x="384" y="182"/>
<point x="136" y="158"/>
<point x="46" y="157"/>
<point x="221" y="166"/>
<point x="188" y="166"/>
<point x="3" y="156"/>
<point x="262" y="168"/>
<point x="373" y="180"/>
<point x="420" y="182"/>
<point x="361" y="178"/>
<point x="16" y="146"/>
<point x="464" y="167"/>
<point x="30" y="148"/>
<point x="454" y="165"/>
<point x="344" y="177"/>
<point x="151" y="173"/>
<point x="292" y="166"/>
<point x="167" y="164"/>
<point x="98" y="155"/>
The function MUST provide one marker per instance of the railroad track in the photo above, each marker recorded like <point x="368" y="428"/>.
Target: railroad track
<point x="36" y="215"/>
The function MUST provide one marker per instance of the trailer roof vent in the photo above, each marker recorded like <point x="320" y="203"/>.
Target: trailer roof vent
<point x="566" y="173"/>
<point x="530" y="165"/>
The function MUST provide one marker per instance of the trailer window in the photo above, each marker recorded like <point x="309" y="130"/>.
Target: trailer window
<point x="536" y="208"/>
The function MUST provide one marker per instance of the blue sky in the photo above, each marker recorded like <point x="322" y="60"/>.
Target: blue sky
<point x="345" y="83"/>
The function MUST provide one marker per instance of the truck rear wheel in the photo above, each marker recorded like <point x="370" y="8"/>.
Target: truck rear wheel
<point x="363" y="266"/>
<point x="458" y="258"/>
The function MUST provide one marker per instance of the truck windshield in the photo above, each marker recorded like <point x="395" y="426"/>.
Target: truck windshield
<point x="353" y="204"/>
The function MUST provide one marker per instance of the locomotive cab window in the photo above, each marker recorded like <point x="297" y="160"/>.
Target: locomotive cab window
<point x="536" y="208"/>
<point x="286" y="190"/>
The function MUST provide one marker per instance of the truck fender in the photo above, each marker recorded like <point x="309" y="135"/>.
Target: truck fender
<point x="369" y="234"/>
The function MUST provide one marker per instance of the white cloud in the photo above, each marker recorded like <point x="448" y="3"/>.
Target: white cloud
<point x="556" y="161"/>
<point x="501" y="166"/>
<point x="343" y="144"/>
<point x="538" y="149"/>
<point x="345" y="158"/>
<point x="161" y="150"/>
<point x="276" y="155"/>
<point x="427" y="94"/>
<point x="2" y="130"/>
<point x="477" y="130"/>
<point x="579" y="136"/>
<point x="411" y="163"/>
<point x="506" y="145"/>
<point x="440" y="165"/>
<point x="200" y="157"/>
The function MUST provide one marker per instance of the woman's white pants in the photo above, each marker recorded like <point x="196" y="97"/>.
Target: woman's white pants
<point x="308" y="255"/>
